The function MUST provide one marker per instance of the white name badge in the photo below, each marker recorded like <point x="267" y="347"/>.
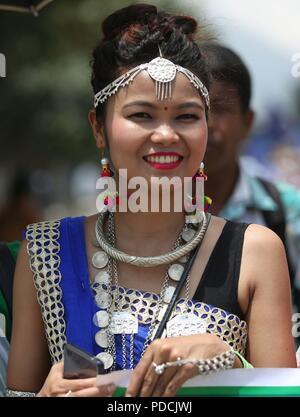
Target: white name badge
<point x="185" y="325"/>
<point x="123" y="323"/>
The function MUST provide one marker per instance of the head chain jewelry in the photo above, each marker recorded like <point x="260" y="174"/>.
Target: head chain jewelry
<point x="205" y="366"/>
<point x="162" y="71"/>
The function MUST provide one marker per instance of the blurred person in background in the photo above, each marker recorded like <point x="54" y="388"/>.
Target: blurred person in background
<point x="21" y="208"/>
<point x="242" y="196"/>
<point x="8" y="255"/>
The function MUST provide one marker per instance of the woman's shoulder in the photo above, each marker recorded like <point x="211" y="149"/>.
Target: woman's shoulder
<point x="51" y="225"/>
<point x="262" y="237"/>
<point x="56" y="222"/>
<point x="259" y="243"/>
<point x="254" y="234"/>
<point x="264" y="258"/>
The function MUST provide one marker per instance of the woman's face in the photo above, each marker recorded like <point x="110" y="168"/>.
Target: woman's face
<point x="152" y="138"/>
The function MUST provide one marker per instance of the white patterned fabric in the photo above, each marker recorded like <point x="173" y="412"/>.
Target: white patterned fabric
<point x="143" y="305"/>
<point x="43" y="250"/>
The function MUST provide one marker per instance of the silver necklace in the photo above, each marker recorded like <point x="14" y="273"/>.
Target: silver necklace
<point x="192" y="237"/>
<point x="132" y="329"/>
<point x="123" y="323"/>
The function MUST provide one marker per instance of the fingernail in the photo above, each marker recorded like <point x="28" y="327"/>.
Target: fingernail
<point x="128" y="395"/>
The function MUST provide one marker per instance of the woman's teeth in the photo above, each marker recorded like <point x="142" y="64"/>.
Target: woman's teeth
<point x="163" y="159"/>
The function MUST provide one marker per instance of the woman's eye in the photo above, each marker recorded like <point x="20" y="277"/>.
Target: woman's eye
<point x="188" y="116"/>
<point x="141" y="115"/>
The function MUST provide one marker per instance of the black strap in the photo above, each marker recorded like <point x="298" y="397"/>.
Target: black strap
<point x="7" y="268"/>
<point x="180" y="285"/>
<point x="276" y="220"/>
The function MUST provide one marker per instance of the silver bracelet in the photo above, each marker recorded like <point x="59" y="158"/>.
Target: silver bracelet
<point x="205" y="366"/>
<point x="13" y="393"/>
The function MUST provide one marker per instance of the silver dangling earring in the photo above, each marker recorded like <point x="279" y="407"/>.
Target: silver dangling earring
<point x="196" y="197"/>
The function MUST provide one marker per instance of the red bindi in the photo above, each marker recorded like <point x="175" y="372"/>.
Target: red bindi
<point x="165" y="108"/>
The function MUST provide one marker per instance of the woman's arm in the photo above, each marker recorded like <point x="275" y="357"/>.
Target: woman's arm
<point x="29" y="360"/>
<point x="265" y="272"/>
<point x="264" y="287"/>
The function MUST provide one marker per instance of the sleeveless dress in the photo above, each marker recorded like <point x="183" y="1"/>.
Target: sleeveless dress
<point x="59" y="264"/>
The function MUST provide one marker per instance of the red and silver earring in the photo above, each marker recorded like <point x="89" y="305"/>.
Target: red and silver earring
<point x="207" y="201"/>
<point x="108" y="198"/>
<point x="199" y="201"/>
<point x="200" y="173"/>
<point x="105" y="170"/>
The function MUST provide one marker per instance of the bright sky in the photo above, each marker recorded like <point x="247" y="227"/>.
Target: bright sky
<point x="266" y="33"/>
<point x="278" y="21"/>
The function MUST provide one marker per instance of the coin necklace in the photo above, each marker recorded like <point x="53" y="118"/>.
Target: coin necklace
<point x="123" y="323"/>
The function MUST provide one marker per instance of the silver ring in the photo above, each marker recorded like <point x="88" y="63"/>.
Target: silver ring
<point x="158" y="369"/>
<point x="68" y="393"/>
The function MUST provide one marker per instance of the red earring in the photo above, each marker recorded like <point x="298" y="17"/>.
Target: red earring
<point x="200" y="173"/>
<point x="112" y="198"/>
<point x="105" y="171"/>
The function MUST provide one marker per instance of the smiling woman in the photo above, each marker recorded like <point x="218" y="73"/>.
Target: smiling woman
<point x="141" y="136"/>
<point x="163" y="293"/>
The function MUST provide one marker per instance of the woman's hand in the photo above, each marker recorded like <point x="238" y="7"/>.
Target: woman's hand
<point x="145" y="382"/>
<point x="56" y="386"/>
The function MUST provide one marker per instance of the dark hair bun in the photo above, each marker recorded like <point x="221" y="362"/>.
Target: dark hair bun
<point x="134" y="34"/>
<point x="121" y="19"/>
<point x="186" y="24"/>
<point x="146" y="14"/>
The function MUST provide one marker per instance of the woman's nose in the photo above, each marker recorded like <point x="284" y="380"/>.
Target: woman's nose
<point x="164" y="135"/>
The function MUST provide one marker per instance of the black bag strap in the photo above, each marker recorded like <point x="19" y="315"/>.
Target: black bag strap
<point x="7" y="269"/>
<point x="180" y="285"/>
<point x="276" y="220"/>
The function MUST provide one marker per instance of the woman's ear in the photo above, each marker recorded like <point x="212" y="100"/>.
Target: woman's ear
<point x="97" y="129"/>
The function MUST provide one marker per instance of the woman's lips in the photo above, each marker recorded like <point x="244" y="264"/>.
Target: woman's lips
<point x="163" y="160"/>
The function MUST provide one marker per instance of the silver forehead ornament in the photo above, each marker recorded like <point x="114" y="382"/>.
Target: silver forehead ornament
<point x="162" y="71"/>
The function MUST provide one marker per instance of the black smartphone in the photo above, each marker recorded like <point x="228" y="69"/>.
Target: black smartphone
<point x="79" y="364"/>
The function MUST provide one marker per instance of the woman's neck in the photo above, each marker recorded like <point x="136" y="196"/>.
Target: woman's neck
<point x="147" y="232"/>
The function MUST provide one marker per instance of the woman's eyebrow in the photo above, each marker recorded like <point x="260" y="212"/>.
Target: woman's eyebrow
<point x="140" y="103"/>
<point x="189" y="104"/>
<point x="184" y="105"/>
